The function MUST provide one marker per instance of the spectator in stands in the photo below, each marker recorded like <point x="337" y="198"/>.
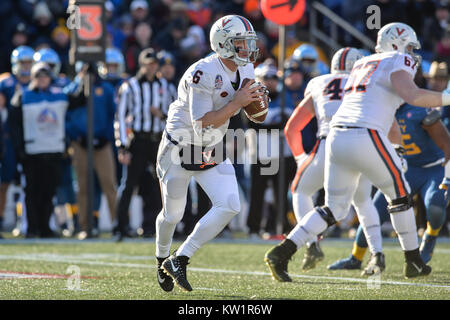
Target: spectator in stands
<point x="61" y="44"/>
<point x="160" y="14"/>
<point x="354" y="12"/>
<point x="435" y="27"/>
<point x="139" y="11"/>
<point x="43" y="20"/>
<point x="124" y="30"/>
<point x="443" y="48"/>
<point x="199" y="13"/>
<point x="252" y="12"/>
<point x="140" y="40"/>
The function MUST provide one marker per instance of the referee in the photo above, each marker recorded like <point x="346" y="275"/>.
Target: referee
<point x="141" y="114"/>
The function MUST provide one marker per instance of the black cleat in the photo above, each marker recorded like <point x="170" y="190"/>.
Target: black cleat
<point x="312" y="256"/>
<point x="175" y="267"/>
<point x="414" y="265"/>
<point x="278" y="258"/>
<point x="376" y="265"/>
<point x="165" y="281"/>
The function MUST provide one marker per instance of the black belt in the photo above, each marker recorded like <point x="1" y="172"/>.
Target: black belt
<point x="171" y="139"/>
<point x="348" y="127"/>
<point x="322" y="137"/>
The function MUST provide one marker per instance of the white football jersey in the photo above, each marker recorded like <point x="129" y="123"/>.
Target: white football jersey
<point x="327" y="92"/>
<point x="369" y="100"/>
<point x="209" y="78"/>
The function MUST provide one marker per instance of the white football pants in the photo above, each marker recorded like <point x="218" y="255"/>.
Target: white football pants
<point x="310" y="178"/>
<point x="220" y="185"/>
<point x="350" y="154"/>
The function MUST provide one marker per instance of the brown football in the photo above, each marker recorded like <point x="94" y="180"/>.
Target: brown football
<point x="256" y="111"/>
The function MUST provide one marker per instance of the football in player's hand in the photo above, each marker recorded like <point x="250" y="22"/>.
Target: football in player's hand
<point x="256" y="111"/>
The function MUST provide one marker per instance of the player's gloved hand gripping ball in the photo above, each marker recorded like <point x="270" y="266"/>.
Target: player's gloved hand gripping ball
<point x="256" y="111"/>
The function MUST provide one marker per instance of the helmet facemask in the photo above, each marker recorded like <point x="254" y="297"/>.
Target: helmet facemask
<point x="409" y="49"/>
<point x="249" y="49"/>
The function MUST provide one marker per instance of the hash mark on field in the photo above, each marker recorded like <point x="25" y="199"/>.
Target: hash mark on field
<point x="62" y="259"/>
<point x="209" y="289"/>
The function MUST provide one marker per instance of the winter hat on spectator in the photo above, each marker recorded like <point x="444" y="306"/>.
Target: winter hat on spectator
<point x="109" y="6"/>
<point x="60" y="29"/>
<point x="42" y="11"/>
<point x="138" y="4"/>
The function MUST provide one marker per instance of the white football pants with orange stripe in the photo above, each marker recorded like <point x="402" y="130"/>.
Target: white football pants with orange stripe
<point x="310" y="178"/>
<point x="350" y="154"/>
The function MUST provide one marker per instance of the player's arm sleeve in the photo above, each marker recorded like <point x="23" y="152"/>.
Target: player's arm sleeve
<point x="122" y="110"/>
<point x="403" y="62"/>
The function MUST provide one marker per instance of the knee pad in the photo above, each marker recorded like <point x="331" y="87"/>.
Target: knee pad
<point x="326" y="215"/>
<point x="400" y="204"/>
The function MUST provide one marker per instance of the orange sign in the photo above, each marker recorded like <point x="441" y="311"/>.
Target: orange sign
<point x="91" y="23"/>
<point x="284" y="12"/>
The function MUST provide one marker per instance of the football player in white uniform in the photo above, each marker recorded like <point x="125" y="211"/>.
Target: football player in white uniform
<point x="357" y="145"/>
<point x="323" y="96"/>
<point x="209" y="93"/>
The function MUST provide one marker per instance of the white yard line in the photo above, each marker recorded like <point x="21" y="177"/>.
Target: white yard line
<point x="62" y="259"/>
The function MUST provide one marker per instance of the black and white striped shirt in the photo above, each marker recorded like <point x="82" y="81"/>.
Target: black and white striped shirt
<point x="136" y="96"/>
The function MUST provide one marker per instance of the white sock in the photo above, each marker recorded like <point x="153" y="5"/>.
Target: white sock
<point x="374" y="239"/>
<point x="302" y="204"/>
<point x="404" y="224"/>
<point x="307" y="229"/>
<point x="206" y="229"/>
<point x="370" y="222"/>
<point x="164" y="234"/>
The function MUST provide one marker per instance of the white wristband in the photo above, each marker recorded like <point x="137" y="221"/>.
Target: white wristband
<point x="445" y="99"/>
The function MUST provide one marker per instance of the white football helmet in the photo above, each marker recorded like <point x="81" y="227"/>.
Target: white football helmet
<point x="397" y="36"/>
<point x="344" y="59"/>
<point x="228" y="29"/>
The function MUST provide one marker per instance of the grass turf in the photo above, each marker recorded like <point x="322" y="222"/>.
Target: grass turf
<point x="219" y="270"/>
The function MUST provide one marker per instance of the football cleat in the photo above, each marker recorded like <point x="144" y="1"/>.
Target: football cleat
<point x="175" y="267"/>
<point x="414" y="266"/>
<point x="350" y="263"/>
<point x="165" y="281"/>
<point x="313" y="255"/>
<point x="427" y="247"/>
<point x="376" y="265"/>
<point x="277" y="260"/>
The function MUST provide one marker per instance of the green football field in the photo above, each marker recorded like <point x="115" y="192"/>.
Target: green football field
<point x="221" y="270"/>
